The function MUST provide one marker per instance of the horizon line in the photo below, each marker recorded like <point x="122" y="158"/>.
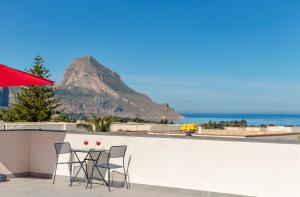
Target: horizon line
<point x="240" y="113"/>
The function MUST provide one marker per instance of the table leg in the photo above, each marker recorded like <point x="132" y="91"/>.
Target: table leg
<point x="81" y="167"/>
<point x="94" y="164"/>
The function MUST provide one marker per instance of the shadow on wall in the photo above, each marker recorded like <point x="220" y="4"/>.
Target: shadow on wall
<point x="14" y="153"/>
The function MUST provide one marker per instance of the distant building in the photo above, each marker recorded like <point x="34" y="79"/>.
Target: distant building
<point x="4" y="97"/>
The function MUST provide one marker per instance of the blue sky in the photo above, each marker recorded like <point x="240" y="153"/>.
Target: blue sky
<point x="198" y="56"/>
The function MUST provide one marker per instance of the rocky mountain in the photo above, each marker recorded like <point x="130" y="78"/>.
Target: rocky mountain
<point x="88" y="87"/>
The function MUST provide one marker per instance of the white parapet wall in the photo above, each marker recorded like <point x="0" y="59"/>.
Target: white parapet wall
<point x="130" y="127"/>
<point x="234" y="166"/>
<point x="1" y="126"/>
<point x="143" y="127"/>
<point x="248" y="129"/>
<point x="282" y="129"/>
<point x="253" y="129"/>
<point x="58" y="126"/>
<point x="271" y="129"/>
<point x="296" y="129"/>
<point x="165" y="127"/>
<point x="279" y="129"/>
<point x="233" y="128"/>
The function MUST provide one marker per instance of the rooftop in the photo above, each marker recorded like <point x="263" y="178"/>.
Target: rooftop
<point x="161" y="165"/>
<point x="43" y="187"/>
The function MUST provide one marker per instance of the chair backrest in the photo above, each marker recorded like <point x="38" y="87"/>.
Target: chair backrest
<point x="62" y="148"/>
<point x="117" y="151"/>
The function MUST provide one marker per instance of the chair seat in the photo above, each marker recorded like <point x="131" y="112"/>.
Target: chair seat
<point x="108" y="166"/>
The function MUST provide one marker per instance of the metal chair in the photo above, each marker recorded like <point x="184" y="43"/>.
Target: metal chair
<point x="118" y="174"/>
<point x="61" y="149"/>
<point x="114" y="152"/>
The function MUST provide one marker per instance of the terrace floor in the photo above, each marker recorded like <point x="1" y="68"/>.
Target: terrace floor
<point x="34" y="187"/>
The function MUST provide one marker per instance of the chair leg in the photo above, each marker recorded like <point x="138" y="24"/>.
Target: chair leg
<point x="87" y="175"/>
<point x="108" y="179"/>
<point x="125" y="177"/>
<point x="92" y="177"/>
<point x="128" y="181"/>
<point x="54" y="175"/>
<point x="71" y="172"/>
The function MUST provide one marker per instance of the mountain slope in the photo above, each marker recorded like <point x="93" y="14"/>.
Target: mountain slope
<point x="88" y="87"/>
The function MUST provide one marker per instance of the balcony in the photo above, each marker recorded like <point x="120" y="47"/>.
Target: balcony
<point x="160" y="165"/>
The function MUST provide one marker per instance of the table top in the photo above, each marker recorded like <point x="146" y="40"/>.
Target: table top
<point x="87" y="150"/>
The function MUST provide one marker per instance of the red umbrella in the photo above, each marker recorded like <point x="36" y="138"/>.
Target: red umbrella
<point x="13" y="77"/>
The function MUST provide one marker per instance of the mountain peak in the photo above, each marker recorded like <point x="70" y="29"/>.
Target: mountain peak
<point x="86" y="58"/>
<point x="87" y="73"/>
<point x="87" y="61"/>
<point x="92" y="88"/>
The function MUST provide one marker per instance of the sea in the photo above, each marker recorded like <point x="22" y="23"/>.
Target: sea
<point x="252" y="119"/>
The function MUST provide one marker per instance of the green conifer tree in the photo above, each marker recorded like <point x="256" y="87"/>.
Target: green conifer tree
<point x="34" y="103"/>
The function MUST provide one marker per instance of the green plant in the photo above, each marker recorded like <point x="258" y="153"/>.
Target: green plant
<point x="34" y="103"/>
<point x="96" y="125"/>
<point x="222" y="124"/>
